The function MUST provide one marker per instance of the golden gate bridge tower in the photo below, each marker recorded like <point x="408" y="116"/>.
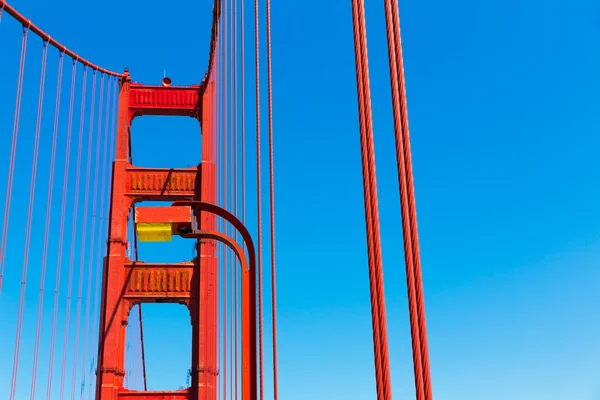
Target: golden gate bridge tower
<point x="204" y="204"/>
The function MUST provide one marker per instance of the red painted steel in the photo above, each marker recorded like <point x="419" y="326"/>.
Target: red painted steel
<point x="382" y="369"/>
<point x="126" y="283"/>
<point x="165" y="100"/>
<point x="145" y="184"/>
<point x="154" y="395"/>
<point x="193" y="191"/>
<point x="407" y="203"/>
<point x="4" y="6"/>
<point x="179" y="215"/>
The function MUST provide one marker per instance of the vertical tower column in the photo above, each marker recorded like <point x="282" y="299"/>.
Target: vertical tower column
<point x="204" y="334"/>
<point x="113" y="316"/>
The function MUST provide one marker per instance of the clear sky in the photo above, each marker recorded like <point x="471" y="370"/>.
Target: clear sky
<point x="503" y="105"/>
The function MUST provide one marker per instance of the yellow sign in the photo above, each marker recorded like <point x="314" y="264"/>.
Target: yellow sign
<point x="154" y="232"/>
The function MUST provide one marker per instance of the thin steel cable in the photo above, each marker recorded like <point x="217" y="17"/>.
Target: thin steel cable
<point x="258" y="195"/>
<point x="61" y="229"/>
<point x="234" y="302"/>
<point x="110" y="129"/>
<point x="13" y="152"/>
<point x="38" y="327"/>
<point x="233" y="6"/>
<point x="272" y="202"/>
<point x="225" y="194"/>
<point x="73" y="237"/>
<point x="83" y="238"/>
<point x="218" y="143"/>
<point x="34" y="166"/>
<point x="91" y="253"/>
<point x="102" y="211"/>
<point x="243" y="139"/>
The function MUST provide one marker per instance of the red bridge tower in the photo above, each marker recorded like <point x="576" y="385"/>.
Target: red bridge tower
<point x="127" y="283"/>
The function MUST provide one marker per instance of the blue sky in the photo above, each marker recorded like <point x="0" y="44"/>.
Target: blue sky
<point x="503" y="112"/>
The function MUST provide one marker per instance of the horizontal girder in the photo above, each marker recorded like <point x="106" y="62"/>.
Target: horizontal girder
<point x="158" y="282"/>
<point x="161" y="184"/>
<point x="164" y="100"/>
<point x="154" y="395"/>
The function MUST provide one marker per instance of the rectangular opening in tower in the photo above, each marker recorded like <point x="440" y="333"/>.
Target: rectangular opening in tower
<point x="166" y="142"/>
<point x="167" y="344"/>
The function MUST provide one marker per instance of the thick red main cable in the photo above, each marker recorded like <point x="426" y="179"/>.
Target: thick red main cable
<point x="272" y="203"/>
<point x="367" y="201"/>
<point x="38" y="327"/>
<point x="73" y="238"/>
<point x="409" y="227"/>
<point x="411" y="202"/>
<point x="61" y="230"/>
<point x="34" y="165"/>
<point x="371" y="207"/>
<point x="13" y="152"/>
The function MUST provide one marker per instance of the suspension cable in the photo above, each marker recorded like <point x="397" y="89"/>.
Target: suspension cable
<point x="83" y="237"/>
<point x="272" y="202"/>
<point x="13" y="151"/>
<point x="26" y="22"/>
<point x="413" y="276"/>
<point x="243" y="130"/>
<point x="38" y="328"/>
<point x="106" y="167"/>
<point x="62" y="228"/>
<point x="258" y="195"/>
<point x="371" y="207"/>
<point x="412" y="203"/>
<point x="92" y="243"/>
<point x="34" y="165"/>
<point x="73" y="237"/>
<point x="225" y="195"/>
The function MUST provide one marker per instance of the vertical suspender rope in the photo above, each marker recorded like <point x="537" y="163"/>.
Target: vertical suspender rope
<point x="83" y="237"/>
<point x="231" y="187"/>
<point x="233" y="292"/>
<point x="225" y="198"/>
<point x="272" y="204"/>
<point x="73" y="237"/>
<point x="91" y="251"/>
<point x="13" y="152"/>
<point x="34" y="165"/>
<point x="47" y="227"/>
<point x="61" y="234"/>
<point x="259" y="213"/>
<point x="106" y="163"/>
<point x="243" y="139"/>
